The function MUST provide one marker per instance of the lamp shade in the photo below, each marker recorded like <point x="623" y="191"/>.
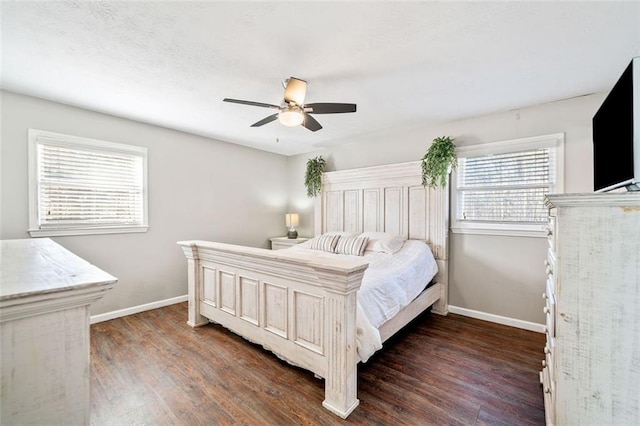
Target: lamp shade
<point x="292" y="220"/>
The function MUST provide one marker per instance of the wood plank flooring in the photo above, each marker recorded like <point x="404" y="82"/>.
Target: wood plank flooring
<point x="153" y="369"/>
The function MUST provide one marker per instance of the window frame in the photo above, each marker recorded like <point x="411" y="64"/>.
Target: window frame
<point x="553" y="141"/>
<point x="36" y="137"/>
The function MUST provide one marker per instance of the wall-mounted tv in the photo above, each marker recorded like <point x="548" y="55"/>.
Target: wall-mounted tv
<point x="616" y="134"/>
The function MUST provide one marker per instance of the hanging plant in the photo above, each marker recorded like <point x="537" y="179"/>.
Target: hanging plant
<point x="438" y="161"/>
<point x="313" y="176"/>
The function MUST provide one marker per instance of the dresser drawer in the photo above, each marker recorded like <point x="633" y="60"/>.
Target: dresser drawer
<point x="549" y="359"/>
<point x="548" y="390"/>
<point x="551" y="232"/>
<point x="550" y="268"/>
<point x="549" y="348"/>
<point x="549" y="308"/>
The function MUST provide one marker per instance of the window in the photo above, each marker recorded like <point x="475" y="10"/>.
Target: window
<point x="500" y="187"/>
<point x="85" y="186"/>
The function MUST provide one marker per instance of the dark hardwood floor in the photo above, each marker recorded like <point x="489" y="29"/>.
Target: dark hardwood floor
<point x="153" y="369"/>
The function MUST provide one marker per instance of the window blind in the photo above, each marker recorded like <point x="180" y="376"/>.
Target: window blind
<point x="80" y="187"/>
<point x="505" y="187"/>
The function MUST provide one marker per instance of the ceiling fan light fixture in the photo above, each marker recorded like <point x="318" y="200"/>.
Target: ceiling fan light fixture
<point x="291" y="117"/>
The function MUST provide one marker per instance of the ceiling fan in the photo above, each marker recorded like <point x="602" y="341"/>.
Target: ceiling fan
<point x="293" y="111"/>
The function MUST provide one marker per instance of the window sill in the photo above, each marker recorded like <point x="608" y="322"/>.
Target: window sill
<point x="86" y="231"/>
<point x="530" y="233"/>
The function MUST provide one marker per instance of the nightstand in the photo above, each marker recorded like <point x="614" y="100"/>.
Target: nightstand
<point x="279" y="243"/>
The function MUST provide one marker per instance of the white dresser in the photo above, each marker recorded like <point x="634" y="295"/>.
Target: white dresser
<point x="591" y="370"/>
<point x="45" y="294"/>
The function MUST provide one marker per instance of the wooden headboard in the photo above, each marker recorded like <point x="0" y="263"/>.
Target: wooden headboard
<point x="387" y="198"/>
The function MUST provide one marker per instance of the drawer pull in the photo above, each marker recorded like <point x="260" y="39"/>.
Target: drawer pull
<point x="544" y="363"/>
<point x="547" y="389"/>
<point x="546" y="350"/>
<point x="545" y="310"/>
<point x="546" y="263"/>
<point x="544" y="295"/>
<point x="549" y="271"/>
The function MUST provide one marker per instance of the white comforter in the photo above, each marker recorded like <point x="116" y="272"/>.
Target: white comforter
<point x="389" y="284"/>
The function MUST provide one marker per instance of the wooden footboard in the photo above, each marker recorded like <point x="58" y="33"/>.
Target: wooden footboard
<point x="300" y="308"/>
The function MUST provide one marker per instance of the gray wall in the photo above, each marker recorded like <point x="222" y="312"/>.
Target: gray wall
<point x="199" y="188"/>
<point x="493" y="274"/>
<point x="205" y="189"/>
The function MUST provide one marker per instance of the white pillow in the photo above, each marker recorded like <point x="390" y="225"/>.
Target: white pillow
<point x="352" y="245"/>
<point x="325" y="242"/>
<point x="384" y="242"/>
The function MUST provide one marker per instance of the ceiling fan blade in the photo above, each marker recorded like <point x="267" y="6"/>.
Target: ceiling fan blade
<point x="311" y="123"/>
<point x="330" y="108"/>
<point x="295" y="91"/>
<point x="258" y="104"/>
<point x="265" y="120"/>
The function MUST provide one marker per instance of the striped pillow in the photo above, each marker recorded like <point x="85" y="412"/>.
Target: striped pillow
<point x="325" y="242"/>
<point x="352" y="245"/>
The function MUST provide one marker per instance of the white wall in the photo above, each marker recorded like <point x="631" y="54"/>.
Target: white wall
<point x="199" y="188"/>
<point x="498" y="275"/>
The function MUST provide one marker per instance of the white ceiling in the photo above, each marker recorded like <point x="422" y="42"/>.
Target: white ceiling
<point x="171" y="63"/>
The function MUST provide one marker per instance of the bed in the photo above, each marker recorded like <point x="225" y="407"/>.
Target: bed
<point x="303" y="305"/>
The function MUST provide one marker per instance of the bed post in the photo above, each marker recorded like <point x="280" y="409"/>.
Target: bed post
<point x="441" y="306"/>
<point x="439" y="216"/>
<point x="194" y="286"/>
<point x="341" y="381"/>
<point x="317" y="214"/>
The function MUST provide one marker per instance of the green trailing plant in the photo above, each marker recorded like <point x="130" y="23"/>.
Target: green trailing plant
<point x="313" y="175"/>
<point x="438" y="161"/>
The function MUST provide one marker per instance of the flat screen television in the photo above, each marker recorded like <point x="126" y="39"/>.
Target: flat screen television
<point x="616" y="134"/>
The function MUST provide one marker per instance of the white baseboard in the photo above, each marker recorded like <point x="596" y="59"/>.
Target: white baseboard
<point x="136" y="309"/>
<point x="512" y="322"/>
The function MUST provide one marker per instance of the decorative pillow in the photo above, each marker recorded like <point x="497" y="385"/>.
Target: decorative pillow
<point x="325" y="242"/>
<point x="352" y="245"/>
<point x="384" y="242"/>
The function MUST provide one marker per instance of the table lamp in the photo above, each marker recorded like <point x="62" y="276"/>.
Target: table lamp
<point x="292" y="220"/>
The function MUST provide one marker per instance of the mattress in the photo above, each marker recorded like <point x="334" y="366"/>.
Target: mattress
<point x="389" y="284"/>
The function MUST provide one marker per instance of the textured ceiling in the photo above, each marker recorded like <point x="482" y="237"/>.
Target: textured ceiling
<point x="171" y="63"/>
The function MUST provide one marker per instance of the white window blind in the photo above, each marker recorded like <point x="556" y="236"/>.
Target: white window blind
<point x="505" y="187"/>
<point x="500" y="186"/>
<point x="87" y="185"/>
